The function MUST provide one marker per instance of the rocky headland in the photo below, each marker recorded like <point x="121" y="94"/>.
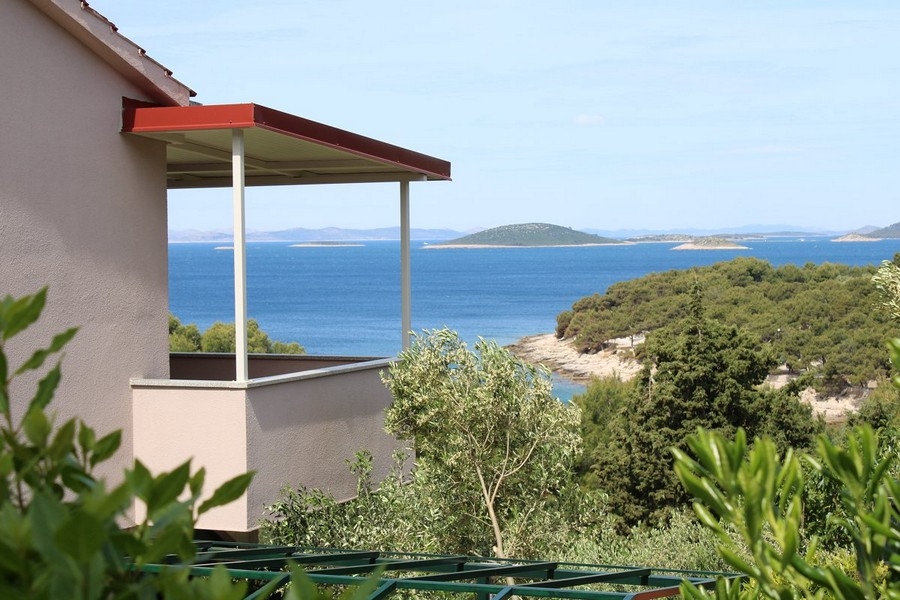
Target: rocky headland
<point x="561" y="357"/>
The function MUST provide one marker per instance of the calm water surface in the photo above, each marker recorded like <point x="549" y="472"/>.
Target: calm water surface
<point x="345" y="300"/>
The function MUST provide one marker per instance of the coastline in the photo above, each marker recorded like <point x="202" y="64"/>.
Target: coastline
<point x="438" y="246"/>
<point x="696" y="246"/>
<point x="561" y="357"/>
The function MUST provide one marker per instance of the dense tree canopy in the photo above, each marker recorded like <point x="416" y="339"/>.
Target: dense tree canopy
<point x="220" y="337"/>
<point x="699" y="373"/>
<point x="815" y="317"/>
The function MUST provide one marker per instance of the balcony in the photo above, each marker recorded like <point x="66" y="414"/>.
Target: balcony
<point x="295" y="421"/>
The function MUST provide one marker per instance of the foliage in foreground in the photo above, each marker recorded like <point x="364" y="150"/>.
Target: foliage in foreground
<point x="220" y="337"/>
<point x="754" y="497"/>
<point x="59" y="524"/>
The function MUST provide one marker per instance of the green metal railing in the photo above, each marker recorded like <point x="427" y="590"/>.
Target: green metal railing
<point x="483" y="577"/>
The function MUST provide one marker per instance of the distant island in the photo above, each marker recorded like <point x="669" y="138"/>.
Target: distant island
<point x="710" y="243"/>
<point x="326" y="244"/>
<point x="856" y="237"/>
<point x="438" y="236"/>
<point x="526" y="235"/>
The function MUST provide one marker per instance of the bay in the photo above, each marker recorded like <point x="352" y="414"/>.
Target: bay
<point x="344" y="300"/>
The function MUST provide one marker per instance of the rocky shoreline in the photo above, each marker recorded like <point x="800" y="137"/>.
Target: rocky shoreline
<point x="561" y="357"/>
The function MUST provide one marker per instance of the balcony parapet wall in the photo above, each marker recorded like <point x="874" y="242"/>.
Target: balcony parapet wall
<point x="296" y="428"/>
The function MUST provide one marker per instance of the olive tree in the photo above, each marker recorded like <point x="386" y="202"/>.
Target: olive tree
<point x="887" y="280"/>
<point x="486" y="426"/>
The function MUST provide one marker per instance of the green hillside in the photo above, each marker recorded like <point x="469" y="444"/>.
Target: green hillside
<point x="821" y="319"/>
<point x="891" y="231"/>
<point x="529" y="234"/>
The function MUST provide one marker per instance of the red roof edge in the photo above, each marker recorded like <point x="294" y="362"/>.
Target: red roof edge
<point x="299" y="127"/>
<point x="238" y="116"/>
<point x="101" y="36"/>
<point x="159" y="119"/>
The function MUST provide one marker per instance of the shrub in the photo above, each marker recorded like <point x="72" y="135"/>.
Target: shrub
<point x="756" y="497"/>
<point x="59" y="524"/>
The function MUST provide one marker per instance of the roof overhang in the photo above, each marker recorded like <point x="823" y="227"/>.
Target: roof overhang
<point x="280" y="148"/>
<point x="103" y="38"/>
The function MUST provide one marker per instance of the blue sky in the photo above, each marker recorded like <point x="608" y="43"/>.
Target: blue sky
<point x="589" y="114"/>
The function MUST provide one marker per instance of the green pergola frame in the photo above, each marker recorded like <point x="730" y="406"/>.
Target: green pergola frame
<point x="485" y="578"/>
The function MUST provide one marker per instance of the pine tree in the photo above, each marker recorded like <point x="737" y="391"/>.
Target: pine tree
<point x="699" y="373"/>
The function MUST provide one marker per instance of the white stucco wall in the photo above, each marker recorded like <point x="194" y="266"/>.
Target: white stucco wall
<point x="294" y="430"/>
<point x="83" y="210"/>
<point x="206" y="426"/>
<point x="312" y="429"/>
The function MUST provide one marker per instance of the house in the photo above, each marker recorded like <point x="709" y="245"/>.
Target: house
<point x="92" y="134"/>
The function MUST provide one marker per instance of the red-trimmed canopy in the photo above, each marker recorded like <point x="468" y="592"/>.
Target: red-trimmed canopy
<point x="246" y="144"/>
<point x="281" y="148"/>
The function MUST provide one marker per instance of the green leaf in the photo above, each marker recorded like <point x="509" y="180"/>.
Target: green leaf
<point x="4" y="373"/>
<point x="274" y="584"/>
<point x="364" y="590"/>
<point x="11" y="559"/>
<point x="46" y="515"/>
<point x="6" y="465"/>
<point x="129" y="545"/>
<point x="106" y="447"/>
<point x="166" y="488"/>
<point x="707" y="518"/>
<point x="735" y="560"/>
<point x="302" y="587"/>
<point x="37" y="427"/>
<point x="46" y="387"/>
<point x="75" y="477"/>
<point x="108" y="504"/>
<point x="229" y="491"/>
<point x="63" y="441"/>
<point x="86" y="438"/>
<point x="80" y="536"/>
<point x="196" y="482"/>
<point x="22" y="312"/>
<point x="37" y="359"/>
<point x="167" y="540"/>
<point x="141" y="480"/>
<point x="221" y="586"/>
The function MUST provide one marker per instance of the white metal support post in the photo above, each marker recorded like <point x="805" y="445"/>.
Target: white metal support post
<point x="405" y="271"/>
<point x="240" y="255"/>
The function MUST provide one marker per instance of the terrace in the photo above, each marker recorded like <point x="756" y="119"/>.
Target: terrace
<point x="293" y="420"/>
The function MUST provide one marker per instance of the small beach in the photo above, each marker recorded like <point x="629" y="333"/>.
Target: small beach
<point x="561" y="357"/>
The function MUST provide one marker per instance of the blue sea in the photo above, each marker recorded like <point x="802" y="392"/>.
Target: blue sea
<point x="345" y="299"/>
